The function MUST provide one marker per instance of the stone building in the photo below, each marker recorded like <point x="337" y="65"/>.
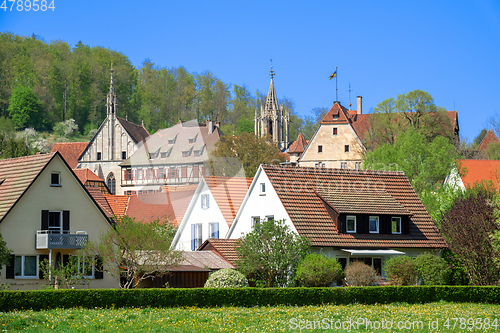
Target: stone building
<point x="115" y="141"/>
<point x="273" y="119"/>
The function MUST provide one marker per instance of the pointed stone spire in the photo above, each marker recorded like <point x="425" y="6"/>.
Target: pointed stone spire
<point x="271" y="101"/>
<point x="111" y="98"/>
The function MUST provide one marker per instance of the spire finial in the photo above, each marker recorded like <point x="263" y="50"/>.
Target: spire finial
<point x="111" y="84"/>
<point x="272" y="72"/>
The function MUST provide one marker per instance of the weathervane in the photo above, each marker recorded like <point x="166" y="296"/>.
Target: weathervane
<point x="272" y="72"/>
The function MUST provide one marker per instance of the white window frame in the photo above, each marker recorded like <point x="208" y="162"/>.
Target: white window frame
<point x="355" y="224"/>
<point x="269" y="217"/>
<point x="262" y="189"/>
<point x="211" y="230"/>
<point x="377" y="219"/>
<point x="205" y="201"/>
<point x="198" y="235"/>
<point x="58" y="184"/>
<point x="393" y="219"/>
<point x="343" y="165"/>
<point x="255" y="221"/>
<point x="22" y="276"/>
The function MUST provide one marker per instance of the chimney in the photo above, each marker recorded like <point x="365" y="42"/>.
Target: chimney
<point x="360" y="108"/>
<point x="210" y="126"/>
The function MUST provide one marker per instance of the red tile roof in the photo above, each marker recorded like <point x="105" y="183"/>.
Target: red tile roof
<point x="117" y="203"/>
<point x="70" y="151"/>
<point x="474" y="171"/>
<point x="488" y="138"/>
<point x="336" y="115"/>
<point x="16" y="175"/>
<point x="225" y="248"/>
<point x="297" y="186"/>
<point x="298" y="145"/>
<point x="85" y="175"/>
<point x="228" y="193"/>
<point x="171" y="204"/>
<point x="96" y="193"/>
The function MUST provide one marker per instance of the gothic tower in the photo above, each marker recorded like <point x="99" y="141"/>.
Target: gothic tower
<point x="273" y="119"/>
<point x="111" y="113"/>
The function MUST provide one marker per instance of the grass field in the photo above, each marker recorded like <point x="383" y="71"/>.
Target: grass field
<point x="347" y="318"/>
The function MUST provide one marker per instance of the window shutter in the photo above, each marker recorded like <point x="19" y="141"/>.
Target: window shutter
<point x="193" y="236"/>
<point x="45" y="220"/>
<point x="208" y="201"/>
<point x="202" y="200"/>
<point x="385" y="225"/>
<point x="363" y="224"/>
<point x="66" y="220"/>
<point x="9" y="274"/>
<point x="216" y="230"/>
<point x="405" y="225"/>
<point x="41" y="258"/>
<point x="343" y="222"/>
<point x="98" y="272"/>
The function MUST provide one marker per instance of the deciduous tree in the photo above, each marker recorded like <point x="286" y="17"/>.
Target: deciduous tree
<point x="270" y="253"/>
<point x="134" y="251"/>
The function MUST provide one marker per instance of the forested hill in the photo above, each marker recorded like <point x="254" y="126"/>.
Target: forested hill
<point x="73" y="83"/>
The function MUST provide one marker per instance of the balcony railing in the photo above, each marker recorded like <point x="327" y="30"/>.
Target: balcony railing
<point x="46" y="239"/>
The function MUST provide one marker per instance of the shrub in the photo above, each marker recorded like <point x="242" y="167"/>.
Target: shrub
<point x="401" y="271"/>
<point x="226" y="278"/>
<point x="431" y="269"/>
<point x="316" y="270"/>
<point x="360" y="274"/>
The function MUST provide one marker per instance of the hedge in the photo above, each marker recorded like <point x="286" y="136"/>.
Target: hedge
<point x="245" y="297"/>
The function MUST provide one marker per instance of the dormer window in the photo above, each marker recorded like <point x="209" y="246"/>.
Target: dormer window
<point x="350" y="224"/>
<point x="55" y="179"/>
<point x="335" y="116"/>
<point x="197" y="153"/>
<point x="396" y="225"/>
<point x="186" y="153"/>
<point x="171" y="141"/>
<point x="373" y="225"/>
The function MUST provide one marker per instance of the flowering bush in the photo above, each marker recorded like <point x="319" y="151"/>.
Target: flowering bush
<point x="226" y="278"/>
<point x="360" y="274"/>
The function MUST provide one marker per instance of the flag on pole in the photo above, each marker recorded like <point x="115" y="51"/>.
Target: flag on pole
<point x="333" y="75"/>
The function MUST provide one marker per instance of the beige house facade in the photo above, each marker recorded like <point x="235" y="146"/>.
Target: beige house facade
<point x="335" y="144"/>
<point x="46" y="213"/>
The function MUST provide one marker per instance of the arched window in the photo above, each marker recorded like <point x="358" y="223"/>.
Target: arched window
<point x="111" y="183"/>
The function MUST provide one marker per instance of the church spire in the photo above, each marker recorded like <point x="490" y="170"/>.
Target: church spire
<point x="271" y="101"/>
<point x="111" y="99"/>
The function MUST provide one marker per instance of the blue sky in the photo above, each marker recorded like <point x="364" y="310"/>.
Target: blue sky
<point x="450" y="49"/>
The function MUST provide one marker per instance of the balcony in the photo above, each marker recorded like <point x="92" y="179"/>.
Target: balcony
<point x="46" y="239"/>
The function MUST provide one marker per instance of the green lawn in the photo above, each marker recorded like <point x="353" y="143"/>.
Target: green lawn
<point x="409" y="317"/>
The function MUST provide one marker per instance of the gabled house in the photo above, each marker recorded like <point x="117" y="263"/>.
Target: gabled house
<point x="172" y="156"/>
<point x="338" y="141"/>
<point x="473" y="172"/>
<point x="211" y="211"/>
<point x="46" y="213"/>
<point x="347" y="214"/>
<point x="488" y="138"/>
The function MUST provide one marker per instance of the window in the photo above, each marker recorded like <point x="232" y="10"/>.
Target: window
<point x="186" y="153"/>
<point x="269" y="217"/>
<point x="320" y="149"/>
<point x="150" y="173"/>
<point x="55" y="179"/>
<point x="55" y="223"/>
<point x="152" y="156"/>
<point x="396" y="225"/>
<point x="335" y="131"/>
<point x="111" y="183"/>
<point x="343" y="165"/>
<point x="196" y="236"/>
<point x="172" y="172"/>
<point x="99" y="156"/>
<point x="124" y="155"/>
<point x="205" y="201"/>
<point x="373" y="225"/>
<point x="346" y="148"/>
<point x="160" y="173"/>
<point x="213" y="230"/>
<point x="192" y="140"/>
<point x="262" y="189"/>
<point x="128" y="174"/>
<point x="350" y="224"/>
<point x="255" y="222"/>
<point x="197" y="153"/>
<point x="26" y="267"/>
<point x="171" y="142"/>
<point x="163" y="155"/>
<point x="139" y="174"/>
<point x="357" y="165"/>
<point x="319" y="165"/>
